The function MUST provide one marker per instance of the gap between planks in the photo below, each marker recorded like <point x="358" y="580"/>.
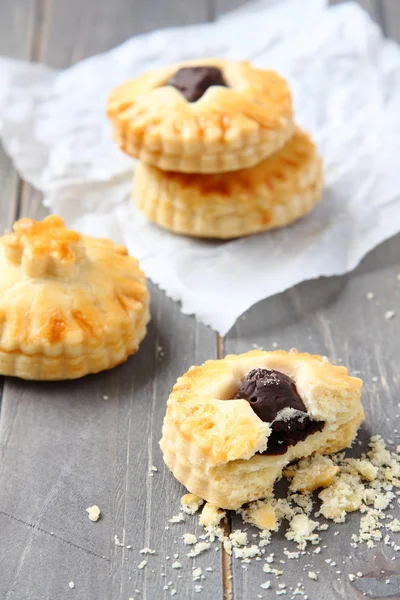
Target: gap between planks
<point x="227" y="573"/>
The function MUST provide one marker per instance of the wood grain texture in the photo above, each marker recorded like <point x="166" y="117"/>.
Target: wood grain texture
<point x="73" y="30"/>
<point x="66" y="446"/>
<point x="333" y="317"/>
<point x="371" y="6"/>
<point x="16" y="38"/>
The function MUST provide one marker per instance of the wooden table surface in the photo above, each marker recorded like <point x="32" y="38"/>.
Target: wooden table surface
<point x="66" y="446"/>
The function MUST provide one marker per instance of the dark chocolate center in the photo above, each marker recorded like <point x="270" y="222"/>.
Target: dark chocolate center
<point x="268" y="393"/>
<point x="192" y="82"/>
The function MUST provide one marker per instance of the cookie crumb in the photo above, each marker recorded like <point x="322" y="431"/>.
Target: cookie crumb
<point x="147" y="551"/>
<point x="190" y="503"/>
<point x="312" y="575"/>
<point x="189" y="539"/>
<point x="246" y="551"/>
<point x="198" y="549"/>
<point x="389" y="314"/>
<point x="301" y="530"/>
<point x="177" y="518"/>
<point x="266" y="585"/>
<point x="176" y="565"/>
<point x="71" y="585"/>
<point x="93" y="512"/>
<point x="370" y="295"/>
<point x="238" y="538"/>
<point x="197" y="573"/>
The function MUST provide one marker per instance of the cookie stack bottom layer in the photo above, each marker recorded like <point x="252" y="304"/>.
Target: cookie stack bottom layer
<point x="276" y="192"/>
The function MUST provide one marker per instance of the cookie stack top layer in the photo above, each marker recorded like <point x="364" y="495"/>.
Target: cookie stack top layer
<point x="203" y="116"/>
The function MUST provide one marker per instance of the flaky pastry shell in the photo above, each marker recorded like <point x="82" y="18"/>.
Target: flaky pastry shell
<point x="69" y="304"/>
<point x="276" y="192"/>
<point x="211" y="442"/>
<point x="228" y="128"/>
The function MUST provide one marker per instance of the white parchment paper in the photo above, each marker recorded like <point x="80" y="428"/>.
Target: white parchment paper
<point x="346" y="86"/>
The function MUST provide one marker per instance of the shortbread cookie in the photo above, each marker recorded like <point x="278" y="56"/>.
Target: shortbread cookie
<point x="274" y="193"/>
<point x="202" y="116"/>
<point x="232" y="425"/>
<point x="69" y="304"/>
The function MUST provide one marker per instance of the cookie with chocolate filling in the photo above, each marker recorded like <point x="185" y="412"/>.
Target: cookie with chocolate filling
<point x="70" y="304"/>
<point x="274" y="193"/>
<point x="202" y="116"/>
<point x="233" y="425"/>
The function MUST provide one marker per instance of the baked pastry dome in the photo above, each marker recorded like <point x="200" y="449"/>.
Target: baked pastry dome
<point x="276" y="192"/>
<point x="69" y="304"/>
<point x="203" y="116"/>
<point x="219" y="448"/>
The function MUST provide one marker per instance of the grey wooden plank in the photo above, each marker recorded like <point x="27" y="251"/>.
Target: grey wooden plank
<point x="223" y="6"/>
<point x="371" y="6"/>
<point x="333" y="317"/>
<point x="69" y="445"/>
<point x="390" y="10"/>
<point x="76" y="29"/>
<point x="64" y="446"/>
<point x="16" y="34"/>
<point x="31" y="203"/>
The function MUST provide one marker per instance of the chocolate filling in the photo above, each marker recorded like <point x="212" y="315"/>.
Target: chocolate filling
<point x="268" y="392"/>
<point x="192" y="82"/>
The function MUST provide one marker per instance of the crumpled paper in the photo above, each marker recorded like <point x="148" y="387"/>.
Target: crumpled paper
<point x="345" y="83"/>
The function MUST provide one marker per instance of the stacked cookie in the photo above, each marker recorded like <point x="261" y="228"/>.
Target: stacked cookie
<point x="220" y="155"/>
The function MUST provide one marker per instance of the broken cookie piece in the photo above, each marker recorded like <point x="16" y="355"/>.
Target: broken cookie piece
<point x="311" y="474"/>
<point x="233" y="425"/>
<point x="262" y="515"/>
<point x="211" y="516"/>
<point x="190" y="503"/>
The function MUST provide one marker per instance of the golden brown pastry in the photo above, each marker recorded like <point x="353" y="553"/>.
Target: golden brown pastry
<point x="202" y="116"/>
<point x="69" y="304"/>
<point x="232" y="425"/>
<point x="274" y="193"/>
